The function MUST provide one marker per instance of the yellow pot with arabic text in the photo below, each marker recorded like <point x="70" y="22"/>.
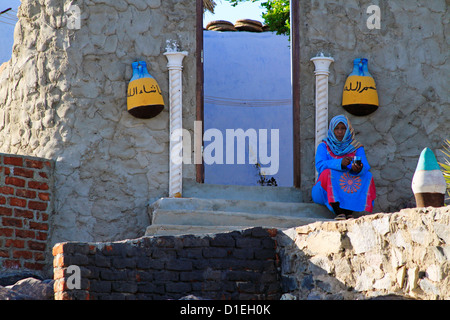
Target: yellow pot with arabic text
<point x="144" y="98"/>
<point x="360" y="95"/>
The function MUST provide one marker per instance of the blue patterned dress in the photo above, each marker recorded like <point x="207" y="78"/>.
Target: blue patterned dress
<point x="354" y="191"/>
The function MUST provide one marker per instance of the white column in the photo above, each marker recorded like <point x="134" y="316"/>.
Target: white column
<point x="322" y="72"/>
<point x="175" y="66"/>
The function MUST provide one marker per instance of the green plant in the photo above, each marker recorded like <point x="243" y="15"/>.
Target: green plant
<point x="446" y="166"/>
<point x="277" y="16"/>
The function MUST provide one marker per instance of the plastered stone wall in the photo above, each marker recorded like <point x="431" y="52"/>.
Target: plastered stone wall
<point x="405" y="254"/>
<point x="408" y="58"/>
<point x="63" y="97"/>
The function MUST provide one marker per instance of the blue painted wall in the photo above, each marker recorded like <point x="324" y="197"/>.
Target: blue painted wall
<point x="248" y="86"/>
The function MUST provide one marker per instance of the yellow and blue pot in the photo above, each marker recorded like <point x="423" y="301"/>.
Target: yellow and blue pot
<point x="360" y="95"/>
<point x="144" y="98"/>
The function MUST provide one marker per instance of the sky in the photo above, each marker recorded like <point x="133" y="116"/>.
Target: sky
<point x="223" y="11"/>
<point x="7" y="22"/>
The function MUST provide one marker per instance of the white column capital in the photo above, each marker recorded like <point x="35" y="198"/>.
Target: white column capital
<point x="175" y="59"/>
<point x="322" y="65"/>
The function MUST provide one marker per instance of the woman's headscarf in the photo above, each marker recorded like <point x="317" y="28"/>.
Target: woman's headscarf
<point x="348" y="143"/>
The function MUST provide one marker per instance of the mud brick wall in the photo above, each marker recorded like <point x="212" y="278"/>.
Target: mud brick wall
<point x="25" y="210"/>
<point x="235" y="265"/>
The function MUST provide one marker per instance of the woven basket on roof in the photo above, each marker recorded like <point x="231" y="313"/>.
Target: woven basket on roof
<point x="248" y="25"/>
<point x="220" y="25"/>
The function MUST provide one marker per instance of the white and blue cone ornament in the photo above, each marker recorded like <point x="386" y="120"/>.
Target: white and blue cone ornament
<point x="428" y="183"/>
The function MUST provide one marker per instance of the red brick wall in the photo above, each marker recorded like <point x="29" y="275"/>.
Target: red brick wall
<point x="25" y="210"/>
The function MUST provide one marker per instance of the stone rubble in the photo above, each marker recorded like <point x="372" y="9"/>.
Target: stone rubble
<point x="28" y="289"/>
<point x="405" y="254"/>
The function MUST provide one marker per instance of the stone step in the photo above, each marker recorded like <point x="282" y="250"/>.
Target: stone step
<point x="290" y="209"/>
<point x="193" y="215"/>
<point x="192" y="189"/>
<point x="227" y="218"/>
<point x="174" y="229"/>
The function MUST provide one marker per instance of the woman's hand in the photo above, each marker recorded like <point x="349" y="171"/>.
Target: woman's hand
<point x="357" y="167"/>
<point x="345" y="162"/>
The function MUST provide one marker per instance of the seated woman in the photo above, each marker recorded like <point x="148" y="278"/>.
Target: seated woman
<point x="343" y="185"/>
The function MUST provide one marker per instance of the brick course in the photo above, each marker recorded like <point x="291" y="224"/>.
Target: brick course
<point x="234" y="265"/>
<point x="25" y="208"/>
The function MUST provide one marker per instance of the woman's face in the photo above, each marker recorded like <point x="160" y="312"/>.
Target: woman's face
<point x="339" y="131"/>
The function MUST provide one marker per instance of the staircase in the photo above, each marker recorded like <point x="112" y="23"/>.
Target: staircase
<point x="207" y="208"/>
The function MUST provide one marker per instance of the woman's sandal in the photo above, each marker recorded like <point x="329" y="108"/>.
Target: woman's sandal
<point x="349" y="216"/>
<point x="340" y="217"/>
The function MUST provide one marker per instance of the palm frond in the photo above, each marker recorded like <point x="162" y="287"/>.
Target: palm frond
<point x="446" y="166"/>
<point x="447" y="149"/>
<point x="209" y="5"/>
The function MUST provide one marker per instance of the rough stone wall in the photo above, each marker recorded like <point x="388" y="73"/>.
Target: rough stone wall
<point x="63" y="97"/>
<point x="403" y="254"/>
<point x="408" y="58"/>
<point x="238" y="265"/>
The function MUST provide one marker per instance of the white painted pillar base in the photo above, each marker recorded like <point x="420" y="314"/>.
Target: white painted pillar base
<point x="175" y="66"/>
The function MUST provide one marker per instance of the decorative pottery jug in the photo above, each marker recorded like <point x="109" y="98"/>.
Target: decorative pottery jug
<point x="144" y="98"/>
<point x="360" y="95"/>
<point x="428" y="183"/>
